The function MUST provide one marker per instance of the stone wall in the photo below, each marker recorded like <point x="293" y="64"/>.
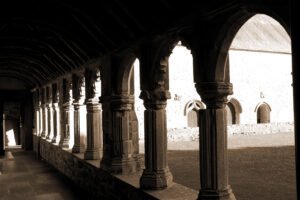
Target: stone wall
<point x="262" y="77"/>
<point x="100" y="184"/>
<point x="256" y="129"/>
<point x="253" y="83"/>
<point x="192" y="134"/>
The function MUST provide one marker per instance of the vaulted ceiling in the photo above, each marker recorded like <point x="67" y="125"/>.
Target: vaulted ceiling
<point x="43" y="39"/>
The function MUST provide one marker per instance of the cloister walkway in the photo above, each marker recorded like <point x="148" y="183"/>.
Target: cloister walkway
<point x="26" y="178"/>
<point x="261" y="168"/>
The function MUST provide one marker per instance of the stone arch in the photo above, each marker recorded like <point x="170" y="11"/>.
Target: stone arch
<point x="229" y="27"/>
<point x="263" y="110"/>
<point x="163" y="49"/>
<point x="234" y="109"/>
<point x="122" y="66"/>
<point x="191" y="111"/>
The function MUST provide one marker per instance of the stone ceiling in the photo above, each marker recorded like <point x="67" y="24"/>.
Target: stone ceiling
<point x="44" y="39"/>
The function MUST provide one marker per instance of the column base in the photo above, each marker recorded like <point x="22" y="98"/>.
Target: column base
<point x="216" y="194"/>
<point x="43" y="135"/>
<point x="53" y="140"/>
<point x="38" y="147"/>
<point x="156" y="180"/>
<point x="64" y="143"/>
<point x="124" y="166"/>
<point x="92" y="154"/>
<point x="2" y="152"/>
<point x="78" y="149"/>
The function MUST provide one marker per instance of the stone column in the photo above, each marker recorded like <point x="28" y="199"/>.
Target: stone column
<point x="94" y="121"/>
<point x="49" y="113"/>
<point x="35" y="130"/>
<point x="295" y="39"/>
<point x="36" y="112"/>
<point x="40" y="121"/>
<point x="44" y="114"/>
<point x="55" y="111"/>
<point x="60" y="113"/>
<point x="213" y="141"/>
<point x="123" y="158"/>
<point x="40" y="129"/>
<point x="156" y="174"/>
<point x="78" y="101"/>
<point x="2" y="138"/>
<point x="66" y="106"/>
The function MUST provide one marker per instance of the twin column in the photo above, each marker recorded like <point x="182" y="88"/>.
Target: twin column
<point x="156" y="174"/>
<point x="213" y="141"/>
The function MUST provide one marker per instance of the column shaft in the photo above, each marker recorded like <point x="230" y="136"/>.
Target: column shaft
<point x="49" y="121"/>
<point x="40" y="110"/>
<point x="55" y="122"/>
<point x="37" y="116"/>
<point x="213" y="142"/>
<point x="156" y="174"/>
<point x="295" y="39"/>
<point x="94" y="131"/>
<point x="44" y="124"/>
<point x="66" y="124"/>
<point x="123" y="158"/>
<point x="78" y="143"/>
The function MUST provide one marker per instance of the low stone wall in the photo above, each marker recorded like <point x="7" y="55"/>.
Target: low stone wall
<point x="183" y="134"/>
<point x="100" y="184"/>
<point x="256" y="129"/>
<point x="192" y="134"/>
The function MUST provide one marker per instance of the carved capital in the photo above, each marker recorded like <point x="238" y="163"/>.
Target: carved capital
<point x="48" y="105"/>
<point x="54" y="93"/>
<point x="214" y="94"/>
<point x="155" y="99"/>
<point x="77" y="106"/>
<point x="48" y="94"/>
<point x="42" y="95"/>
<point x="78" y="86"/>
<point x="122" y="102"/>
<point x="36" y="99"/>
<point x="55" y="106"/>
<point x="67" y="90"/>
<point x="92" y="83"/>
<point x="93" y="107"/>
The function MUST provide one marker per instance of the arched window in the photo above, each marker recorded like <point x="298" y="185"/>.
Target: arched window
<point x="230" y="114"/>
<point x="233" y="110"/>
<point x="263" y="113"/>
<point x="191" y="111"/>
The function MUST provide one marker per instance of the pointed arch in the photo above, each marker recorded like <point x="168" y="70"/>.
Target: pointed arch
<point x="233" y="109"/>
<point x="263" y="110"/>
<point x="191" y="111"/>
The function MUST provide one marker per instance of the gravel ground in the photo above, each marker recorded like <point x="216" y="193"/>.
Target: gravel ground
<point x="261" y="167"/>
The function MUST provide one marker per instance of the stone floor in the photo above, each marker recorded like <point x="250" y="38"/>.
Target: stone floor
<point x="238" y="142"/>
<point x="24" y="177"/>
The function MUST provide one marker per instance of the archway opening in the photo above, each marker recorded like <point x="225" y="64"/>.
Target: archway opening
<point x="263" y="113"/>
<point x="185" y="103"/>
<point x="260" y="71"/>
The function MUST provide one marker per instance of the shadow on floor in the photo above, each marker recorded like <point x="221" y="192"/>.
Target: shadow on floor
<point x="262" y="173"/>
<point x="26" y="178"/>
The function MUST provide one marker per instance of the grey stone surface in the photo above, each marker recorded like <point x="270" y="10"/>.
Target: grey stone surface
<point x="26" y="178"/>
<point x="100" y="184"/>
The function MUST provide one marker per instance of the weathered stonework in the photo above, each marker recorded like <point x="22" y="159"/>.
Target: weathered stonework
<point x="94" y="147"/>
<point x="100" y="184"/>
<point x="258" y="129"/>
<point x="277" y="93"/>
